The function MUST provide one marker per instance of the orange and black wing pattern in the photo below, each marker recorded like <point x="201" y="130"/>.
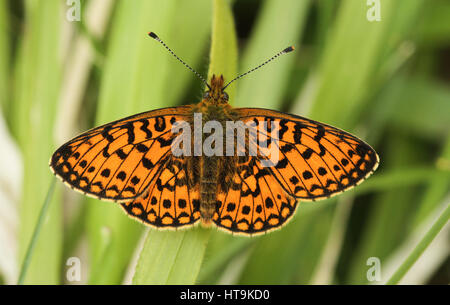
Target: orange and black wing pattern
<point x="170" y="201"/>
<point x="119" y="161"/>
<point x="315" y="160"/>
<point x="252" y="202"/>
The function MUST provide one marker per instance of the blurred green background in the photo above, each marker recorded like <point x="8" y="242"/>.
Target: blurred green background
<point x="386" y="81"/>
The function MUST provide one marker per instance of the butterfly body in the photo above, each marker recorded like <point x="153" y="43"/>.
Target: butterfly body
<point x="212" y="169"/>
<point x="132" y="161"/>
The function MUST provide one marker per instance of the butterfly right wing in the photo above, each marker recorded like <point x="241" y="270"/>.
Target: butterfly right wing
<point x="117" y="161"/>
<point x="251" y="201"/>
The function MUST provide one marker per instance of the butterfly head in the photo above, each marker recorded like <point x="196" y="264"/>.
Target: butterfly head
<point x="215" y="93"/>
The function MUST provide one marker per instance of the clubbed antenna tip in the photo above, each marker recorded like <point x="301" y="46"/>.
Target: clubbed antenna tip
<point x="287" y="50"/>
<point x="154" y="36"/>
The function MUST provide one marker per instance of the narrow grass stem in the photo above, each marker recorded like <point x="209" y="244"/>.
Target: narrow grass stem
<point x="420" y="248"/>
<point x="37" y="229"/>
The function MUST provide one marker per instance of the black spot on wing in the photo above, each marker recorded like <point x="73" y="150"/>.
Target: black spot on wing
<point x="145" y="129"/>
<point x="160" y="124"/>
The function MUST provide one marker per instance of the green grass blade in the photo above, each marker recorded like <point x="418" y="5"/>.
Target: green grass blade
<point x="191" y="53"/>
<point x="401" y="105"/>
<point x="428" y="119"/>
<point x="33" y="109"/>
<point x="222" y="248"/>
<point x="4" y="55"/>
<point x="434" y="28"/>
<point x="176" y="257"/>
<point x="37" y="230"/>
<point x="352" y="57"/>
<point x="437" y="186"/>
<point x="170" y="257"/>
<point x="224" y="53"/>
<point x="420" y="248"/>
<point x="400" y="178"/>
<point x="264" y="88"/>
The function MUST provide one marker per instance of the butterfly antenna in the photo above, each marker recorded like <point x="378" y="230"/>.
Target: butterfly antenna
<point x="287" y="50"/>
<point x="155" y="37"/>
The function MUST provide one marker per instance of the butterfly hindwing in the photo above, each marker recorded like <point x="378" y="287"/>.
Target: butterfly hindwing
<point x="169" y="201"/>
<point x="314" y="160"/>
<point x="253" y="201"/>
<point x="117" y="161"/>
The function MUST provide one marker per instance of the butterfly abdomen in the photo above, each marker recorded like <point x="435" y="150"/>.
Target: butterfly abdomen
<point x="208" y="188"/>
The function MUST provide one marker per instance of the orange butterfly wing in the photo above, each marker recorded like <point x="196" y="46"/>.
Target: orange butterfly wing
<point x="119" y="160"/>
<point x="254" y="202"/>
<point x="315" y="160"/>
<point x="169" y="200"/>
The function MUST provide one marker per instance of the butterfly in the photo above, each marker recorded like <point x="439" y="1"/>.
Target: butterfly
<point x="133" y="162"/>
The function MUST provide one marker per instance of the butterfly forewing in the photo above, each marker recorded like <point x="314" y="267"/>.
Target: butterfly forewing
<point x="118" y="161"/>
<point x="314" y="160"/>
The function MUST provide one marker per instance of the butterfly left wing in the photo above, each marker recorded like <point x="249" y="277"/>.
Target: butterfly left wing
<point x="315" y="160"/>
<point x="117" y="161"/>
<point x="170" y="200"/>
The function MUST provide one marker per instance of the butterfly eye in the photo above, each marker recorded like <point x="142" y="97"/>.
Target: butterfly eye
<point x="225" y="96"/>
<point x="206" y="94"/>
